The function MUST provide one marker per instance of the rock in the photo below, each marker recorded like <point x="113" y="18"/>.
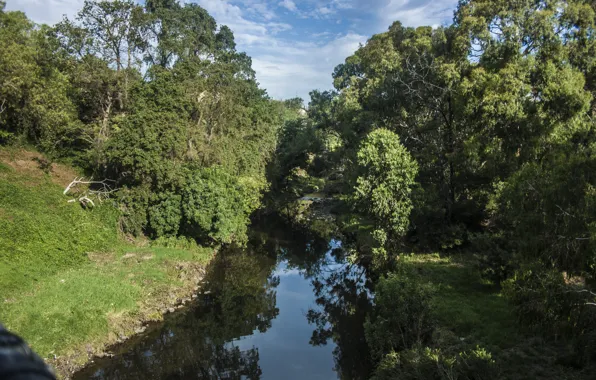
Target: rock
<point x="171" y="310"/>
<point x="194" y="296"/>
<point x="140" y="330"/>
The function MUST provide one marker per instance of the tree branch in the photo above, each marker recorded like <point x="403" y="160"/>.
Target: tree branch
<point x="104" y="191"/>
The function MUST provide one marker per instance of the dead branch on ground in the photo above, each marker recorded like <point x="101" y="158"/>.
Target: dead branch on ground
<point x="101" y="191"/>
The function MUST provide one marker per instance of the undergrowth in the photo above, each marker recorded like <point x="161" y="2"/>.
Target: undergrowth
<point x="470" y="312"/>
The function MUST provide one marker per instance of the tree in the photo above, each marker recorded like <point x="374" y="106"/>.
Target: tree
<point x="386" y="175"/>
<point x="17" y="68"/>
<point x="114" y="35"/>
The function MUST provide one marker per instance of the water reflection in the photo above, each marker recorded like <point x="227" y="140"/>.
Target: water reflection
<point x="343" y="301"/>
<point x="256" y="316"/>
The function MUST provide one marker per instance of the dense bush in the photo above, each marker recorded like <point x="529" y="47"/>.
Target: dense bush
<point x="165" y="214"/>
<point x="552" y="303"/>
<point x="216" y="205"/>
<point x="401" y="317"/>
<point x="386" y="173"/>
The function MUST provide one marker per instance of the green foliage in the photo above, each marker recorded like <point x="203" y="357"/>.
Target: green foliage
<point x="216" y="205"/>
<point x="134" y="203"/>
<point x="165" y="213"/>
<point x="144" y="96"/>
<point x="401" y="316"/>
<point x="548" y="303"/>
<point x="551" y="208"/>
<point x="387" y="175"/>
<point x="425" y="363"/>
<point x="495" y="260"/>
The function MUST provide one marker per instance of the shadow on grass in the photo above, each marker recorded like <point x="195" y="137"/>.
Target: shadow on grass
<point x="464" y="303"/>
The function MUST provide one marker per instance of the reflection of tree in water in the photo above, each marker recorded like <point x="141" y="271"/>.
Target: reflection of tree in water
<point x="341" y="290"/>
<point x="344" y="302"/>
<point x="238" y="298"/>
<point x="301" y="249"/>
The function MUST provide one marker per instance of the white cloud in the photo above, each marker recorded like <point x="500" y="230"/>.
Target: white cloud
<point x="289" y="5"/>
<point x="324" y="11"/>
<point x="276" y="27"/>
<point x="417" y="12"/>
<point x="46" y="11"/>
<point x="287" y="69"/>
<point x="343" y="4"/>
<point x="261" y="9"/>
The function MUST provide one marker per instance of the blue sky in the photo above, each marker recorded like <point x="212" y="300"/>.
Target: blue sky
<point x="294" y="44"/>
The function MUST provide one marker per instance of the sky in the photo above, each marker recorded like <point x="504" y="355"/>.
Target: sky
<point x="294" y="44"/>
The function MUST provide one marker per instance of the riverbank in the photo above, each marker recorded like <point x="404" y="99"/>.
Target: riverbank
<point x="71" y="285"/>
<point x="471" y="329"/>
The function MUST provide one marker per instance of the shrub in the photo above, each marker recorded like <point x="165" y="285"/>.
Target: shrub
<point x="477" y="364"/>
<point x="133" y="206"/>
<point x="424" y="363"/>
<point x="165" y="213"/>
<point x="386" y="177"/>
<point x="401" y="316"/>
<point x="549" y="302"/>
<point x="494" y="260"/>
<point x="215" y="205"/>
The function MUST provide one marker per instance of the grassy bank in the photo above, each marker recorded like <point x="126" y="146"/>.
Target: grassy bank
<point x="470" y="312"/>
<point x="69" y="283"/>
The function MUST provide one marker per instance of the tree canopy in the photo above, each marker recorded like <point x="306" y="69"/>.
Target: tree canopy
<point x="155" y="98"/>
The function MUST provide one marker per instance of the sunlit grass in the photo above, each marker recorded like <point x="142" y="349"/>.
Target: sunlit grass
<point x="68" y="282"/>
<point x="86" y="303"/>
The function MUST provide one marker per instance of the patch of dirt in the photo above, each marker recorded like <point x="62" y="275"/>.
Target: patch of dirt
<point x="101" y="258"/>
<point x="129" y="255"/>
<point x="27" y="163"/>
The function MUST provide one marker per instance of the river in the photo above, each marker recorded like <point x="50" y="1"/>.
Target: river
<point x="288" y="306"/>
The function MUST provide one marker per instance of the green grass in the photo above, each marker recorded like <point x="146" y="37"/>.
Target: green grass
<point x="40" y="232"/>
<point x="470" y="312"/>
<point x="464" y="303"/>
<point x="69" y="284"/>
<point x="83" y="305"/>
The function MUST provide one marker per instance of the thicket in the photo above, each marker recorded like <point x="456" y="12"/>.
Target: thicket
<point x="155" y="98"/>
<point x="477" y="137"/>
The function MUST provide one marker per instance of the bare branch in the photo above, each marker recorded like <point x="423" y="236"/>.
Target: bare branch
<point x="104" y="189"/>
<point x="78" y="181"/>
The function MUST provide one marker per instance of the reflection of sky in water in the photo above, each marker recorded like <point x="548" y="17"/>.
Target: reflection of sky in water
<point x="178" y="351"/>
<point x="284" y="349"/>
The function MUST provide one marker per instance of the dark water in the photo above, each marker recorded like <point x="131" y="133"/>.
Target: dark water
<point x="287" y="307"/>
